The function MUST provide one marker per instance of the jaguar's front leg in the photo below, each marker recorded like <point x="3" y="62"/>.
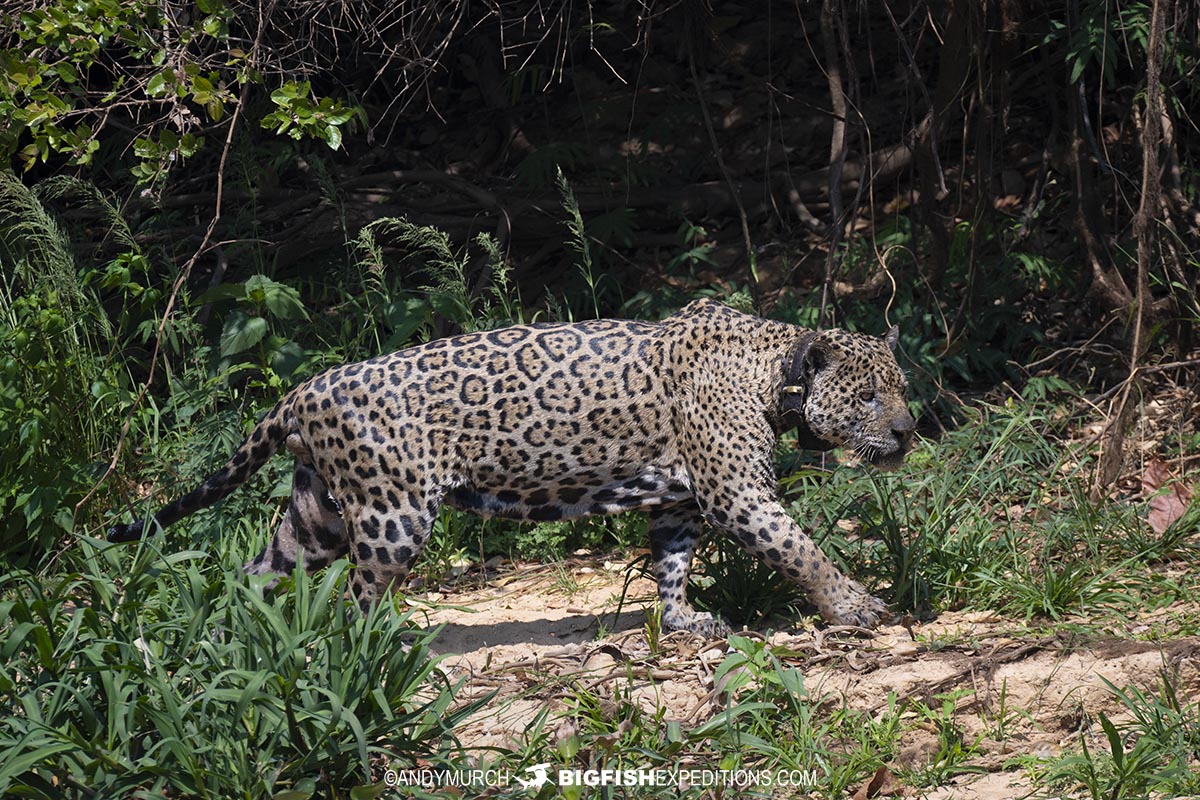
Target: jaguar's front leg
<point x="730" y="461"/>
<point x="763" y="528"/>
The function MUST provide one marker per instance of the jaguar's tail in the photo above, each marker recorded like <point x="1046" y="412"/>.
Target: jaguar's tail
<point x="266" y="438"/>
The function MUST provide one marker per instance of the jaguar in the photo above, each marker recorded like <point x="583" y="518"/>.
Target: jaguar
<point x="679" y="418"/>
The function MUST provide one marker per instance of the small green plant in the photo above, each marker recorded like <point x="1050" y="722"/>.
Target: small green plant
<point x="578" y="241"/>
<point x="1052" y="588"/>
<point x="265" y="301"/>
<point x="449" y="546"/>
<point x="1161" y="716"/>
<point x="952" y="750"/>
<point x="653" y="629"/>
<point x="1153" y="754"/>
<point x="1002" y="721"/>
<point x="1113" y="774"/>
<point x="565" y="581"/>
<point x="739" y="587"/>
<point x="545" y="541"/>
<point x="773" y="721"/>
<point x="694" y="248"/>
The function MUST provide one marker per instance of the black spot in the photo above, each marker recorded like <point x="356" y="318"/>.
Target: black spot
<point x="571" y="495"/>
<point x="545" y="513"/>
<point x="370" y="526"/>
<point x="330" y="539"/>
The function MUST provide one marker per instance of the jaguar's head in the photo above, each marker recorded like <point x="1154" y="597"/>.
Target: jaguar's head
<point x="846" y="390"/>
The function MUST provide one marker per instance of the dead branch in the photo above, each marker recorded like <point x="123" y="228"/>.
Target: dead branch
<point x="1146" y="232"/>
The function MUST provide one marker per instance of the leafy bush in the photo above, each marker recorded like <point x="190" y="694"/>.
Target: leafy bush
<point x="180" y="68"/>
<point x="178" y="681"/>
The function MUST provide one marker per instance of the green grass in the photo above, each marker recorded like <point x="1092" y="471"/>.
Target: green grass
<point x="1154" y="752"/>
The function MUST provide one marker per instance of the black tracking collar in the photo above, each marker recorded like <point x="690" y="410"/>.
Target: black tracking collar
<point x="794" y="394"/>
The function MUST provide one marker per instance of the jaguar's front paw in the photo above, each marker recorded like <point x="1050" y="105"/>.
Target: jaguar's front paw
<point x="852" y="605"/>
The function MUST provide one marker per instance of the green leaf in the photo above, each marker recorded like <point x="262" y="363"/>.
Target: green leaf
<point x="1115" y="745"/>
<point x="333" y="137"/>
<point x="241" y="332"/>
<point x="223" y="291"/>
<point x="404" y="317"/>
<point x="280" y="299"/>
<point x="287" y="359"/>
<point x="66" y="70"/>
<point x="157" y="85"/>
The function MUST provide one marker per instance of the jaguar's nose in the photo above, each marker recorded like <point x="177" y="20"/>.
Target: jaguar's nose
<point x="903" y="427"/>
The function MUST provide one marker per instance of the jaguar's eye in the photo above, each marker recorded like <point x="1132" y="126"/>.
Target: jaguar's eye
<point x="867" y="395"/>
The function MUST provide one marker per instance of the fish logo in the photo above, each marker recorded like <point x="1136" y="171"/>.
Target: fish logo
<point x="538" y="777"/>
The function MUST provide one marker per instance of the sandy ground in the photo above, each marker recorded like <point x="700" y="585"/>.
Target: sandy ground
<point x="532" y="633"/>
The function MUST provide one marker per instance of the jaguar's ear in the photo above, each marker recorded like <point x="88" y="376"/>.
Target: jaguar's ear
<point x="892" y="337"/>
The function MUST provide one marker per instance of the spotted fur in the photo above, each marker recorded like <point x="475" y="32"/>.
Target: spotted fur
<point x="558" y="421"/>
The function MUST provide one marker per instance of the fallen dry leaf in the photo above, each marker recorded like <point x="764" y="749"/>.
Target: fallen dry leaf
<point x="1168" y="506"/>
<point x="882" y="784"/>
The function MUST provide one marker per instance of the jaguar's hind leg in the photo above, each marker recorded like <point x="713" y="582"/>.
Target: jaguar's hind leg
<point x="312" y="529"/>
<point x="673" y="533"/>
<point x="386" y="539"/>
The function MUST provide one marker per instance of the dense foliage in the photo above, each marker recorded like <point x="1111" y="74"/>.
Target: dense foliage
<point x="202" y="203"/>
